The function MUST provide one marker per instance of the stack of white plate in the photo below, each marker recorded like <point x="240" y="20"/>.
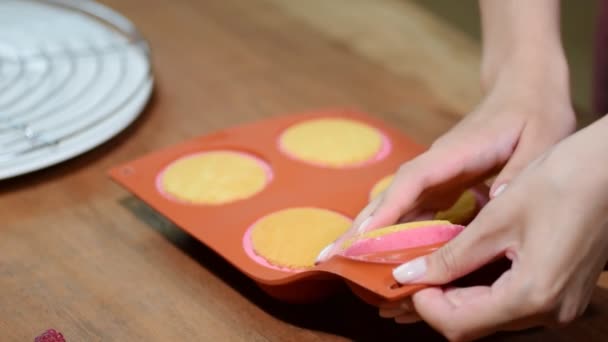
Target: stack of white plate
<point x="73" y="74"/>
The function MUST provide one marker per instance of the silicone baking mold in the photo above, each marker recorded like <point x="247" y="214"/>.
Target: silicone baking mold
<point x="294" y="184"/>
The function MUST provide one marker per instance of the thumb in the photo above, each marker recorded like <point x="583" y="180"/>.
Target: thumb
<point x="476" y="246"/>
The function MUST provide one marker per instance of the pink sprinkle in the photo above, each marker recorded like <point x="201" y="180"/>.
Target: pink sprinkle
<point x="50" y="335"/>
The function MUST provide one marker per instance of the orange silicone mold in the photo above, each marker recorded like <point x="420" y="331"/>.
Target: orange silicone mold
<point x="294" y="183"/>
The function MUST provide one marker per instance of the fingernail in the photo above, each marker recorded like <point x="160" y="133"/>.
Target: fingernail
<point x="410" y="271"/>
<point x="324" y="253"/>
<point x="363" y="225"/>
<point x="499" y="190"/>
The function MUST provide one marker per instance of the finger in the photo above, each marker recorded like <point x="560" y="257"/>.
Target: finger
<point x="459" y="296"/>
<point x="409" y="183"/>
<point x="398" y="308"/>
<point x="418" y="215"/>
<point x="408" y="318"/>
<point x="362" y="220"/>
<point x="465" y="314"/>
<point x="392" y="313"/>
<point x="397" y="199"/>
<point x="439" y="169"/>
<point x="528" y="148"/>
<point x="475" y="312"/>
<point x="481" y="242"/>
<point x="359" y="225"/>
<point x="390" y="305"/>
<point x="405" y="304"/>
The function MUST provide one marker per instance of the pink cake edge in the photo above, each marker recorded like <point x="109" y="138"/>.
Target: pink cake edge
<point x="250" y="251"/>
<point x="385" y="149"/>
<point x="265" y="166"/>
<point x="379" y="244"/>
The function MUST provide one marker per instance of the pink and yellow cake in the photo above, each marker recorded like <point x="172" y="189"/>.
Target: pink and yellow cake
<point x="401" y="236"/>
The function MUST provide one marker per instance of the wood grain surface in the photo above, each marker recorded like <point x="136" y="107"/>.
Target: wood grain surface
<point x="81" y="255"/>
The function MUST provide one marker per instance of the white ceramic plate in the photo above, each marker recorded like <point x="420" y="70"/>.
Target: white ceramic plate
<point x="73" y="74"/>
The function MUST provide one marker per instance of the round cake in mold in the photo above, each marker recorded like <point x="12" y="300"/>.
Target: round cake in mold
<point x="401" y="236"/>
<point x="291" y="239"/>
<point x="214" y="177"/>
<point x="334" y="143"/>
<point x="462" y="211"/>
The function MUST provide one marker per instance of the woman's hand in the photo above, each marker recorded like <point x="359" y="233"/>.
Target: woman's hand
<point x="526" y="111"/>
<point x="551" y="221"/>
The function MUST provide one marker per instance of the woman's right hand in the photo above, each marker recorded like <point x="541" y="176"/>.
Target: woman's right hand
<point x="526" y="110"/>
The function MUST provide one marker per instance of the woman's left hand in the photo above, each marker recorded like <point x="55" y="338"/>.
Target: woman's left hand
<point x="551" y="221"/>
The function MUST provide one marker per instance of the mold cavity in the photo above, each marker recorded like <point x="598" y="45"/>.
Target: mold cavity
<point x="214" y="177"/>
<point x="291" y="239"/>
<point x="334" y="143"/>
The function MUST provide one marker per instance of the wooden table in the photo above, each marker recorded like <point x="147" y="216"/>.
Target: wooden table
<point x="81" y="255"/>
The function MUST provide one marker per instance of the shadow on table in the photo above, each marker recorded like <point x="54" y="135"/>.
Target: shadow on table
<point x="346" y="315"/>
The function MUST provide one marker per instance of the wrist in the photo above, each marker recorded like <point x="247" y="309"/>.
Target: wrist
<point x="593" y="137"/>
<point x="586" y="157"/>
<point x="543" y="65"/>
<point x="534" y="82"/>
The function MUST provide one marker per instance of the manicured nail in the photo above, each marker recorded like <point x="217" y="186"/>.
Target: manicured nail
<point x="363" y="225"/>
<point x="410" y="271"/>
<point x="324" y="253"/>
<point x="499" y="190"/>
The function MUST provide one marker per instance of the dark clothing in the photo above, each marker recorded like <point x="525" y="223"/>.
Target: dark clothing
<point x="600" y="67"/>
